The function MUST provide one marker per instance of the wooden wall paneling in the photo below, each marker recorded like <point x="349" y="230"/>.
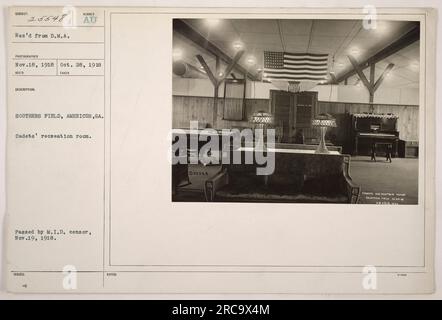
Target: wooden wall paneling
<point x="187" y="108"/>
<point x="175" y="115"/>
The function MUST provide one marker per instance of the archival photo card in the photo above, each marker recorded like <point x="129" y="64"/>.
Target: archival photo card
<point x="220" y="151"/>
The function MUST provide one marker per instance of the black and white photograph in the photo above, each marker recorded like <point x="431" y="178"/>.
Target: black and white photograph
<point x="296" y="110"/>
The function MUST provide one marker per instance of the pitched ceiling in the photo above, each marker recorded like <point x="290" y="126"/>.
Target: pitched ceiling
<point x="338" y="38"/>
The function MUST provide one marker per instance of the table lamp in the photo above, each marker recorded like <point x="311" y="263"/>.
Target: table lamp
<point x="323" y="121"/>
<point x="261" y="120"/>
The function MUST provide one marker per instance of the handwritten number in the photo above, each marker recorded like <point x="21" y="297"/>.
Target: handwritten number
<point x="58" y="18"/>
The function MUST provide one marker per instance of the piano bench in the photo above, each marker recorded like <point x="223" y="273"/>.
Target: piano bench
<point x="388" y="150"/>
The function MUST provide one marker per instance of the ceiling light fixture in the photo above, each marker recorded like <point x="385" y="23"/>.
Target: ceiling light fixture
<point x="251" y="61"/>
<point x="355" y="51"/>
<point x="415" y="65"/>
<point x="237" y="45"/>
<point x="177" y="54"/>
<point x="212" y="22"/>
<point x="381" y="27"/>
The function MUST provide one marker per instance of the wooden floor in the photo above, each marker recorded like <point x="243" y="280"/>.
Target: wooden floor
<point x="400" y="177"/>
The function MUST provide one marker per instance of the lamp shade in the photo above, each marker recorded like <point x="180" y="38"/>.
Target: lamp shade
<point x="324" y="120"/>
<point x="261" y="117"/>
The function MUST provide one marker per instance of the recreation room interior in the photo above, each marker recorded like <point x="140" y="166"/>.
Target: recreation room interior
<point x="341" y="96"/>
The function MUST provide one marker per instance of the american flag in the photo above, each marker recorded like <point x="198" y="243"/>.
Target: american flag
<point x="295" y="66"/>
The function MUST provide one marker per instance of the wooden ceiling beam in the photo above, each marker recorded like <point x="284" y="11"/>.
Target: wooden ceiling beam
<point x="333" y="78"/>
<point x="209" y="73"/>
<point x="382" y="77"/>
<point x="406" y="40"/>
<point x="187" y="31"/>
<point x="360" y="73"/>
<point x="196" y="69"/>
<point x="232" y="65"/>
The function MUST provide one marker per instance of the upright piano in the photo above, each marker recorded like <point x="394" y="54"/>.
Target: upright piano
<point x="373" y="128"/>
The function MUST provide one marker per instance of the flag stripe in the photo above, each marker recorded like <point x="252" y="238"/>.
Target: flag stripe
<point x="297" y="78"/>
<point x="314" y="71"/>
<point x="306" y="54"/>
<point x="268" y="75"/>
<point x="305" y="58"/>
<point x="313" y="66"/>
<point x="313" y="62"/>
<point x="319" y="76"/>
<point x="271" y="74"/>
